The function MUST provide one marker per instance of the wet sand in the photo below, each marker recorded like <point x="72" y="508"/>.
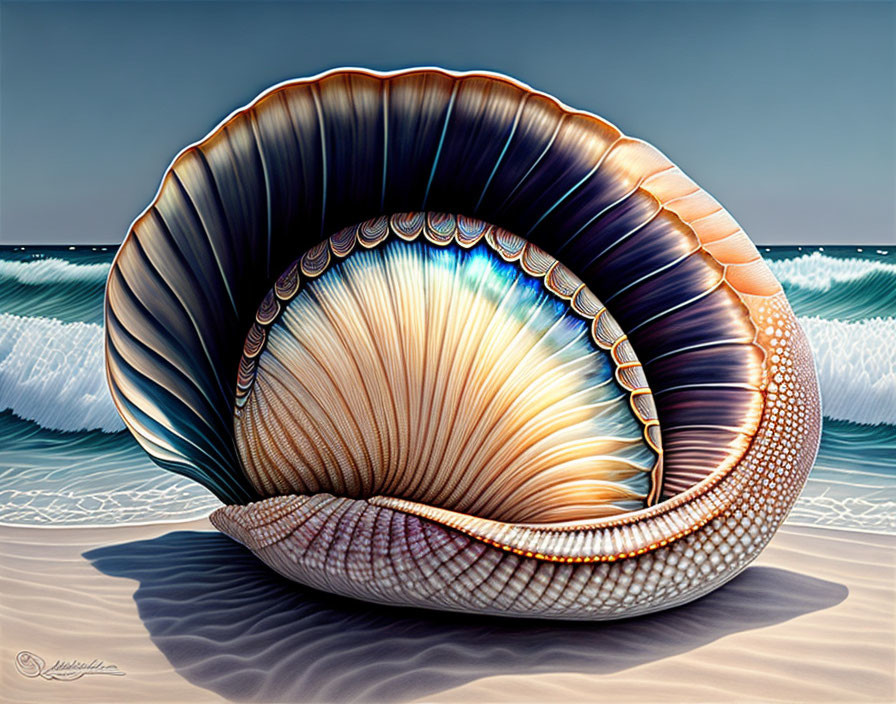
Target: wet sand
<point x="190" y="616"/>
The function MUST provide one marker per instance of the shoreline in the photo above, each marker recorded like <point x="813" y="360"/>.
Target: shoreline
<point x="188" y="615"/>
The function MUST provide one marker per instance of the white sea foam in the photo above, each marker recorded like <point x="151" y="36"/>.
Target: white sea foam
<point x="51" y="271"/>
<point x="856" y="364"/>
<point x="53" y="373"/>
<point x="819" y="272"/>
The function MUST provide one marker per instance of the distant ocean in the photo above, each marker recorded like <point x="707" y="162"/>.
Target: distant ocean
<point x="66" y="459"/>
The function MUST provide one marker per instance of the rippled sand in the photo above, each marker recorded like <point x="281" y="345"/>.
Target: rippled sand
<point x="189" y="615"/>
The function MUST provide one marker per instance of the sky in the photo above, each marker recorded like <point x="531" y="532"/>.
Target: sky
<point x="784" y="111"/>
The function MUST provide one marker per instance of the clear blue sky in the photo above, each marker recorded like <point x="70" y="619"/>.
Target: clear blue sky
<point x="786" y="112"/>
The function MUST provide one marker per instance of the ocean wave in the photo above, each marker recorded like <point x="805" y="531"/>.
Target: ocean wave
<point x="53" y="288"/>
<point x="856" y="364"/>
<point x="873" y="296"/>
<point x="68" y="301"/>
<point x="818" y="272"/>
<point x="53" y="373"/>
<point x="52" y="271"/>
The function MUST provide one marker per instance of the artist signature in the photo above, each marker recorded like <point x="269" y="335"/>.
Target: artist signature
<point x="31" y="665"/>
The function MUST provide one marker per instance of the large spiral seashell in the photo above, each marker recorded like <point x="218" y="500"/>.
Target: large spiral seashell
<point x="438" y="340"/>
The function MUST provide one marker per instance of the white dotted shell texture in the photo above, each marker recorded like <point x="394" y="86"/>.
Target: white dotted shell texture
<point x="703" y="347"/>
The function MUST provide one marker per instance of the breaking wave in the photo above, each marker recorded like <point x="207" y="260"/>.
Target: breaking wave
<point x="52" y="373"/>
<point x="838" y="289"/>
<point x="819" y="272"/>
<point x="856" y="364"/>
<point x="52" y="271"/>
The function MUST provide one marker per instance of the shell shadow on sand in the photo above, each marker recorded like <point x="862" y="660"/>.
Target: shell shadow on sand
<point x="229" y="624"/>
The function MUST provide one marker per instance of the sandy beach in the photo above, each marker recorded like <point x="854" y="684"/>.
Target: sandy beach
<point x="189" y="616"/>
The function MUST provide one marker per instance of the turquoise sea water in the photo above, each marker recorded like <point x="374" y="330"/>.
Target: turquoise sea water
<point x="65" y="458"/>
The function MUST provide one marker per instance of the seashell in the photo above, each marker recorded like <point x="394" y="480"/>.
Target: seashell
<point x="438" y="340"/>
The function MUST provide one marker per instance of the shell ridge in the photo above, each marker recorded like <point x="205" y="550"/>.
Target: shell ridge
<point x="435" y="161"/>
<point x="119" y="291"/>
<point x="404" y="375"/>
<point x="626" y="236"/>
<point x="495" y="396"/>
<point x="332" y="421"/>
<point x="381" y="445"/>
<point x="472" y="480"/>
<point x="516" y="120"/>
<point x="161" y="281"/>
<point x="208" y="239"/>
<point x="576" y="186"/>
<point x="535" y="164"/>
<point x="212" y="182"/>
<point x="167" y="369"/>
<point x="385" y="92"/>
<point x="651" y="274"/>
<point x="315" y="95"/>
<point x="153" y="414"/>
<point x="161" y="448"/>
<point x="253" y="122"/>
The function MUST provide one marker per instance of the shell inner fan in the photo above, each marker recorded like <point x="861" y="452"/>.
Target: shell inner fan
<point x="446" y="376"/>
